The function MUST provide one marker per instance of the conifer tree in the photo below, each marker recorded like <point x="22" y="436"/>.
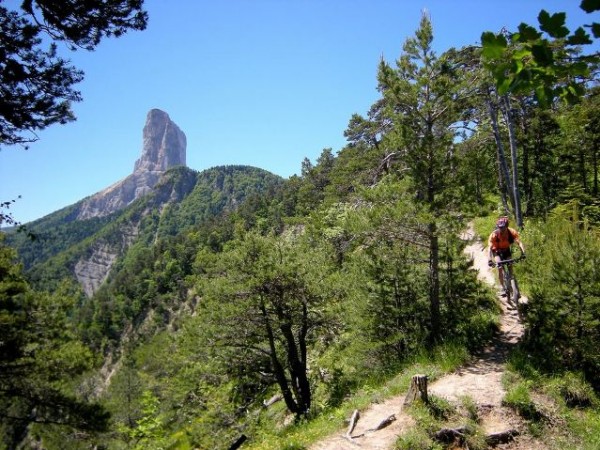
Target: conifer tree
<point x="39" y="356"/>
<point x="263" y="302"/>
<point x="419" y="96"/>
<point x="564" y="307"/>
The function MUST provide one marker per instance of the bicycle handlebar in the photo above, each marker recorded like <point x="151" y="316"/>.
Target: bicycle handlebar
<point x="508" y="261"/>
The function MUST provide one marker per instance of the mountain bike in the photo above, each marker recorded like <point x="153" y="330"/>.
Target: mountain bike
<point x="509" y="281"/>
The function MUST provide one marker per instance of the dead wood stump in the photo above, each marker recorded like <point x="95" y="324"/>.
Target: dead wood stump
<point x="417" y="390"/>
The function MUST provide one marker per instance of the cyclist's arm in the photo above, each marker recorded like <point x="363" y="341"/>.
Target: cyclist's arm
<point x="490" y="251"/>
<point x="520" y="244"/>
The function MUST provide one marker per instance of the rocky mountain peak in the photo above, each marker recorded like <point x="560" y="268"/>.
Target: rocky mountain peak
<point x="163" y="147"/>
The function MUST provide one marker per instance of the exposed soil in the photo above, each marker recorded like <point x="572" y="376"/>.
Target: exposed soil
<point x="480" y="380"/>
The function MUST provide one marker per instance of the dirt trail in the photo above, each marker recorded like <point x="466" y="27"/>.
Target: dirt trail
<point x="480" y="380"/>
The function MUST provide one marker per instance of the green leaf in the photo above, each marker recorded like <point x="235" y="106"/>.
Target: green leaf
<point x="580" y="37"/>
<point x="572" y="93"/>
<point x="542" y="96"/>
<point x="493" y="45"/>
<point x="542" y="54"/>
<point x="579" y="69"/>
<point x="553" y="24"/>
<point x="517" y="65"/>
<point x="522" y="54"/>
<point x="524" y="78"/>
<point x="527" y="33"/>
<point x="499" y="72"/>
<point x="503" y="85"/>
<point x="595" y="29"/>
<point x="576" y="89"/>
<point x="590" y="5"/>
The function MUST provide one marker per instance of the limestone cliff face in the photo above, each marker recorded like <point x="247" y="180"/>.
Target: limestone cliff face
<point x="92" y="270"/>
<point x="163" y="147"/>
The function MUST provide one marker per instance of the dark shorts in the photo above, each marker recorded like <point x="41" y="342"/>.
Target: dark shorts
<point x="503" y="254"/>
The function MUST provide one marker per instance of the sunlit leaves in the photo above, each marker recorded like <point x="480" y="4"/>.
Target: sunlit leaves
<point x="549" y="67"/>
<point x="494" y="45"/>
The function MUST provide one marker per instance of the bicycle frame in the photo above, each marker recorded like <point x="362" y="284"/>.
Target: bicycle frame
<point x="509" y="281"/>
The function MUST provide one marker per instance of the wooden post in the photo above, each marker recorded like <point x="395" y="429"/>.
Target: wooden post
<point x="417" y="390"/>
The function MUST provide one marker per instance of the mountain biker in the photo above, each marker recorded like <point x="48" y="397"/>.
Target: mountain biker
<point x="499" y="244"/>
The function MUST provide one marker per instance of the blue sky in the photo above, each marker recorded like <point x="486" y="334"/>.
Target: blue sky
<point x="264" y="83"/>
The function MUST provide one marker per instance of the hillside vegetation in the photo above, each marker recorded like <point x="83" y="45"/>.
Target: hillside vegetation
<point x="247" y="305"/>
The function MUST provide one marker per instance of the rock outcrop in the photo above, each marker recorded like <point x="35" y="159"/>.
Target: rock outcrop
<point x="164" y="146"/>
<point x="92" y="270"/>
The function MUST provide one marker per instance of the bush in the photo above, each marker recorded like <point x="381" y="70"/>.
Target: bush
<point x="574" y="390"/>
<point x="518" y="399"/>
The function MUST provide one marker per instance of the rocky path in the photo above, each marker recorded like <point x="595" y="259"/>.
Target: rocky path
<point x="480" y="381"/>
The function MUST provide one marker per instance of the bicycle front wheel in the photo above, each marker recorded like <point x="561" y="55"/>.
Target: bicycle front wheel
<point x="515" y="293"/>
<point x="507" y="282"/>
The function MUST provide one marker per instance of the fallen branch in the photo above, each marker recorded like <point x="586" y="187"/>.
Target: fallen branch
<point x="353" y="420"/>
<point x="239" y="442"/>
<point x="384" y="423"/>
<point x="274" y="399"/>
<point x="351" y="439"/>
<point x="449" y="435"/>
<point x="502" y="437"/>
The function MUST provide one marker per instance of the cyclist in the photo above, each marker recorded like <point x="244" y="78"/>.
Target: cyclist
<point x="499" y="244"/>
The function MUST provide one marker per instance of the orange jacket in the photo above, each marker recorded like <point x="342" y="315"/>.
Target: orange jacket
<point x="502" y="240"/>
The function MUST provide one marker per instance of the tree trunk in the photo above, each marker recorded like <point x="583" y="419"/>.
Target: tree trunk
<point x="504" y="178"/>
<point x="582" y="167"/>
<point x="298" y="375"/>
<point x="417" y="390"/>
<point x="434" y="282"/>
<point x="514" y="160"/>
<point x="278" y="368"/>
<point x="595" y="169"/>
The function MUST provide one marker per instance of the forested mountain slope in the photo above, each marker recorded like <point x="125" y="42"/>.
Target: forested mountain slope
<point x="85" y="250"/>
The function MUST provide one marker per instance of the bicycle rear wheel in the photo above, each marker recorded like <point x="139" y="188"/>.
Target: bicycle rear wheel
<point x="506" y="285"/>
<point x="515" y="293"/>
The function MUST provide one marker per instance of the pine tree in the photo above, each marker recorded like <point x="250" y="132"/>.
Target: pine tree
<point x="263" y="302"/>
<point x="419" y="97"/>
<point x="39" y="356"/>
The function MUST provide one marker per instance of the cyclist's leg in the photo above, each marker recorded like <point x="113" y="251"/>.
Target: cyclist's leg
<point x="497" y="259"/>
<point x="509" y="275"/>
<point x="503" y="272"/>
<point x="508" y="284"/>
